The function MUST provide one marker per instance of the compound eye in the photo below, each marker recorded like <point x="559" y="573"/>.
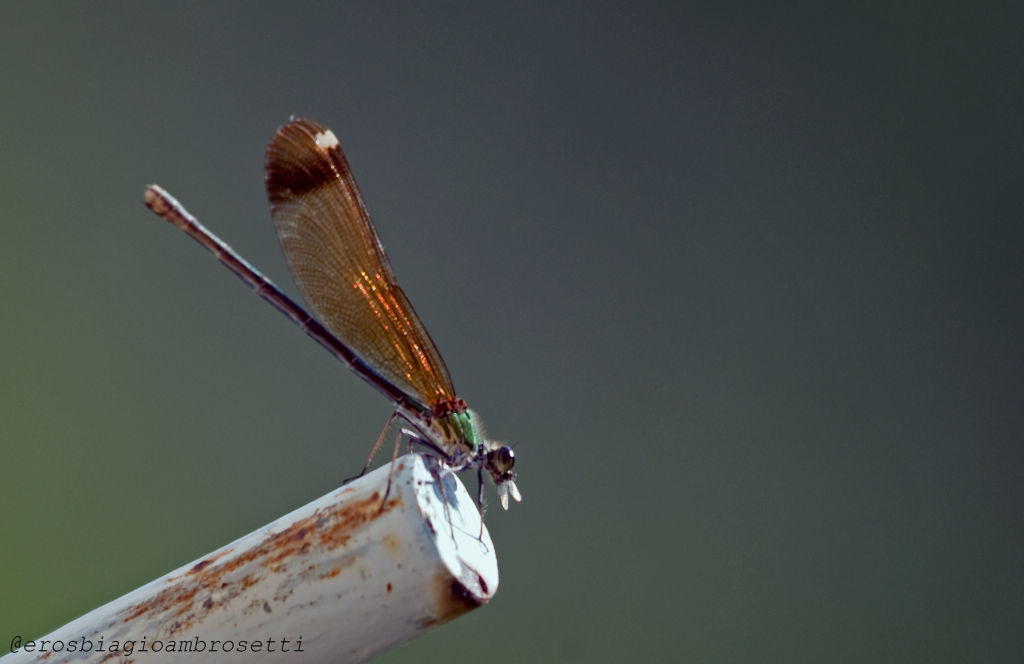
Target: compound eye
<point x="504" y="459"/>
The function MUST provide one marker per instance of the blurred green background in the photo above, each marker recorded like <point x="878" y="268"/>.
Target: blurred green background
<point x="743" y="284"/>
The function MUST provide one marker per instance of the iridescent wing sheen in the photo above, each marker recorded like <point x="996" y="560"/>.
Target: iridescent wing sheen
<point x="340" y="266"/>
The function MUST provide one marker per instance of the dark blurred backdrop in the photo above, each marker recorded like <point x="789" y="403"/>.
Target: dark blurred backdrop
<point x="743" y="284"/>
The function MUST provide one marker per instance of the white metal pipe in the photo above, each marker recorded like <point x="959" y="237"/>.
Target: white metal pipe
<point x="341" y="579"/>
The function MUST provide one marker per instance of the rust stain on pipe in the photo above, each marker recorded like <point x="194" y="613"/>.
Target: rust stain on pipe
<point x="453" y="597"/>
<point x="208" y="585"/>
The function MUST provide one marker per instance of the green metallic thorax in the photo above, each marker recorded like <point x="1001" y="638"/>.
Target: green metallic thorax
<point x="457" y="429"/>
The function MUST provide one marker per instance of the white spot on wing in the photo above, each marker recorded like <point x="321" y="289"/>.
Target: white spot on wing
<point x="326" y="139"/>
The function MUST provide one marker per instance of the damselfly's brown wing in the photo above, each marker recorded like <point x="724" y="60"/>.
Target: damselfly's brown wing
<point x="340" y="266"/>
